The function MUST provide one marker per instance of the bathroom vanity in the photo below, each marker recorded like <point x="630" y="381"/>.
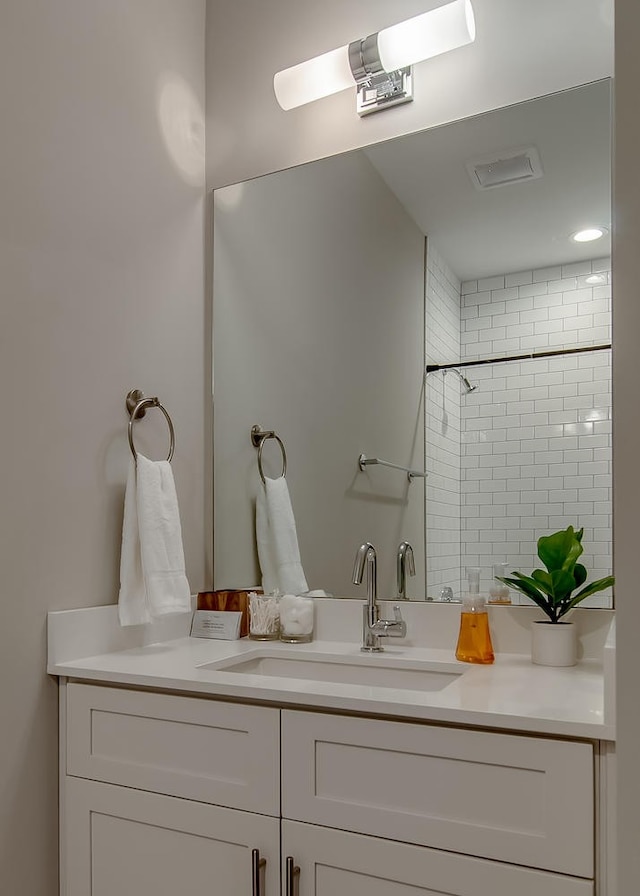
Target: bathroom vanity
<point x="198" y="766"/>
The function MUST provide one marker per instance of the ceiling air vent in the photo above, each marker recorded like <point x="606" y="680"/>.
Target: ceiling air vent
<point x="502" y="168"/>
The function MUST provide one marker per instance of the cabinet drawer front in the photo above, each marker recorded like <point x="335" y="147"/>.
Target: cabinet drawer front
<point x="334" y="862"/>
<point x="189" y="747"/>
<point x="523" y="800"/>
<point x="124" y="842"/>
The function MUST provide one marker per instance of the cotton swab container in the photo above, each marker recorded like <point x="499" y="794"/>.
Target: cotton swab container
<point x="264" y="617"/>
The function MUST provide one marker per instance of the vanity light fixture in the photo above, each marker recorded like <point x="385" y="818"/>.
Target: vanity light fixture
<point x="588" y="234"/>
<point x="380" y="65"/>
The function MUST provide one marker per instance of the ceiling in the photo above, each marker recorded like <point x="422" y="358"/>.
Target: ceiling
<point x="520" y="226"/>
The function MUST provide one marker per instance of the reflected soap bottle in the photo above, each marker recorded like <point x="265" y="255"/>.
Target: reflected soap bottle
<point x="474" y="639"/>
<point x="498" y="591"/>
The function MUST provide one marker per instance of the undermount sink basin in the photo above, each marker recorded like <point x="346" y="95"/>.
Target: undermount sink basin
<point x="371" y="671"/>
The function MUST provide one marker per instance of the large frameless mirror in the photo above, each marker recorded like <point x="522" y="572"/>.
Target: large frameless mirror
<point x="339" y="284"/>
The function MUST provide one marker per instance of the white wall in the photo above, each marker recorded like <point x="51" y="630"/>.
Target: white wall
<point x="101" y="272"/>
<point x="442" y="426"/>
<point x="626" y="436"/>
<point x="319" y="316"/>
<point x="249" y="41"/>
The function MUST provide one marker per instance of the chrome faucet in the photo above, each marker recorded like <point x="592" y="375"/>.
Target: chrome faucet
<point x="405" y="564"/>
<point x="374" y="628"/>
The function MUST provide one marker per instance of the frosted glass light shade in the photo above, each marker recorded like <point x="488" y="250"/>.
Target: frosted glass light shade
<point x="430" y="34"/>
<point x="311" y="80"/>
<point x="419" y="38"/>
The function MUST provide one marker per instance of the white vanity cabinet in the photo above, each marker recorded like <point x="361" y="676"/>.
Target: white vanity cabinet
<point x="164" y="793"/>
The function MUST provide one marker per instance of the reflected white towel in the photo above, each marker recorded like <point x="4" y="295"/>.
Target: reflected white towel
<point x="277" y="540"/>
<point x="152" y="574"/>
<point x="264" y="544"/>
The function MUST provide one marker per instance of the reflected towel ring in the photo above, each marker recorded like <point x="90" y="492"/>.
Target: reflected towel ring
<point x="137" y="405"/>
<point x="258" y="438"/>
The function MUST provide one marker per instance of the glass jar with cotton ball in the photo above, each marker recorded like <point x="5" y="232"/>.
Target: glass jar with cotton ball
<point x="296" y="618"/>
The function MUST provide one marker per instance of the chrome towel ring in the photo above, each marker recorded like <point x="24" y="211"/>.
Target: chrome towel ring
<point x="258" y="437"/>
<point x="136" y="406"/>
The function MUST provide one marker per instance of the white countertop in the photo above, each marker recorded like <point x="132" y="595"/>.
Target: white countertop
<point x="511" y="694"/>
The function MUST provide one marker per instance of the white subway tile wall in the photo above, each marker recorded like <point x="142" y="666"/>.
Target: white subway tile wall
<point x="443" y="436"/>
<point x="536" y="434"/>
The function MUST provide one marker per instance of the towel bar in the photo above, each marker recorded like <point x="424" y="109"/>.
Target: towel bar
<point x="136" y="406"/>
<point x="258" y="437"/>
<point x="364" y="461"/>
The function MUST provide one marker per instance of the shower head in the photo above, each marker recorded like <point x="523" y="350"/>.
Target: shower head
<point x="468" y="387"/>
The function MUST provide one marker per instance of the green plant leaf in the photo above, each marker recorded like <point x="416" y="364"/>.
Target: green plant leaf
<point x="560" y="550"/>
<point x="527" y="584"/>
<point x="528" y="587"/>
<point x="521" y="583"/>
<point x="579" y="574"/>
<point x="592" y="588"/>
<point x="563" y="584"/>
<point x="558" y="585"/>
<point x="543" y="580"/>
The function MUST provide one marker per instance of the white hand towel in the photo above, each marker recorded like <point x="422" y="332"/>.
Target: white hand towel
<point x="277" y="540"/>
<point x="152" y="574"/>
<point x="132" y="601"/>
<point x="265" y="545"/>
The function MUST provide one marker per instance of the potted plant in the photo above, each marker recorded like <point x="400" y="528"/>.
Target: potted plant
<point x="554" y="640"/>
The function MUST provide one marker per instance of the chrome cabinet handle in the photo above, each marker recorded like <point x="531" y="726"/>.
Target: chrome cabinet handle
<point x="292" y="880"/>
<point x="257" y="869"/>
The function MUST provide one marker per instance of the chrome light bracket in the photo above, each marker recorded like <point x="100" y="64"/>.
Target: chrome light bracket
<point x="376" y="88"/>
<point x="383" y="90"/>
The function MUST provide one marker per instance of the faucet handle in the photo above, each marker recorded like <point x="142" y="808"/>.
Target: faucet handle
<point x="399" y="624"/>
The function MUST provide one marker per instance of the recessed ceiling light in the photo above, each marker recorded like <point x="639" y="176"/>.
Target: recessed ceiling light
<point x="588" y="234"/>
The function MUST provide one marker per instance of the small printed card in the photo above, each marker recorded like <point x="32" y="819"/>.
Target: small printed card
<point x="220" y="624"/>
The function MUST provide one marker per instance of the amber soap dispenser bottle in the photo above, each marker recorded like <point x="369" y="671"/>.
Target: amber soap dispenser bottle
<point x="474" y="640"/>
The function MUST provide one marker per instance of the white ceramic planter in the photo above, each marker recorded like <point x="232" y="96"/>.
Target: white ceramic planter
<point x="554" y="643"/>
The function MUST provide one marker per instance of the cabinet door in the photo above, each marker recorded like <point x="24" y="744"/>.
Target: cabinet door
<point x="189" y="747"/>
<point x="125" y="842"/>
<point x="336" y="863"/>
<point x="523" y="800"/>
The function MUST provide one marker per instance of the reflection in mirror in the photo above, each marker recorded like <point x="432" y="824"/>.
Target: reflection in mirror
<point x="338" y="282"/>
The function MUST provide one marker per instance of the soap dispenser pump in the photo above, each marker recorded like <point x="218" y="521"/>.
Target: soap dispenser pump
<point x="474" y="639"/>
